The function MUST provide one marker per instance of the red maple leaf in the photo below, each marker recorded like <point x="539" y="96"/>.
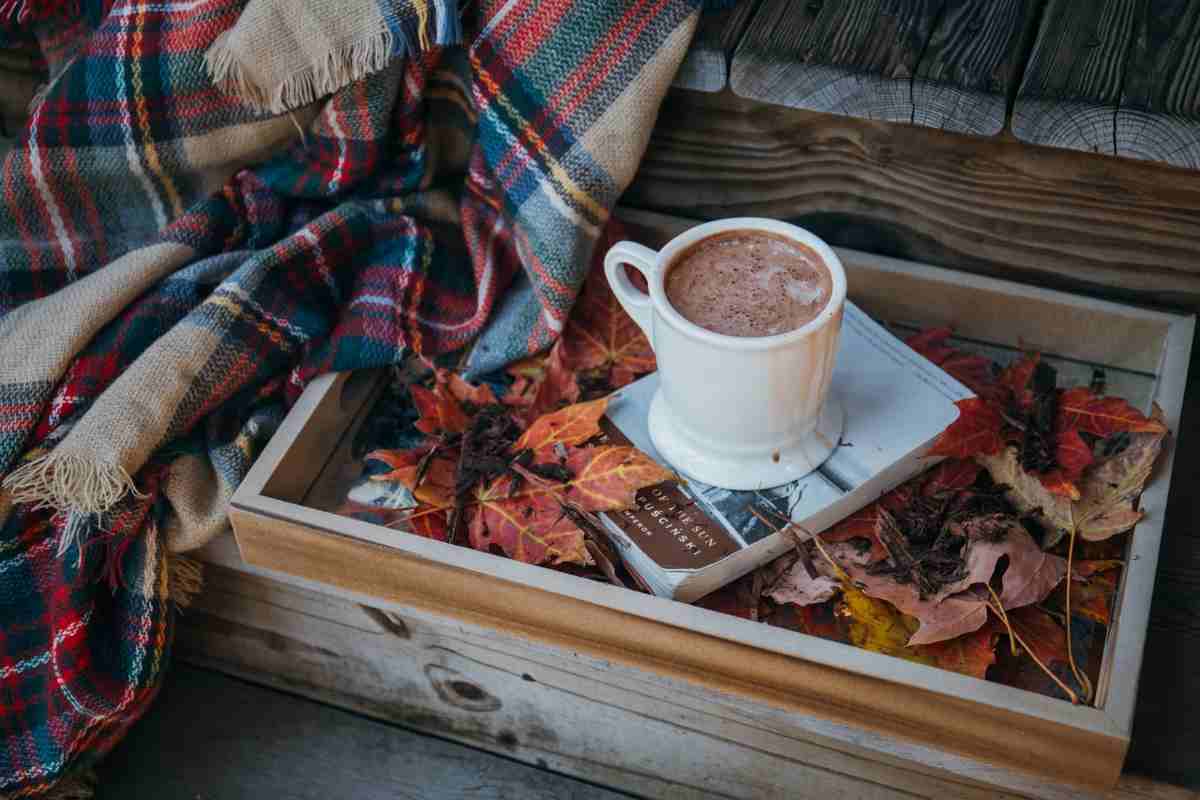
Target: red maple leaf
<point x="931" y="343"/>
<point x="977" y="431"/>
<point x="969" y="654"/>
<point x="1016" y="376"/>
<point x="530" y="522"/>
<point x="1041" y="633"/>
<point x="600" y="335"/>
<point x="542" y="384"/>
<point x="860" y="525"/>
<point x="440" y="411"/>
<point x="951" y="475"/>
<point x="1080" y="410"/>
<point x="1093" y="585"/>
<point x="974" y="372"/>
<point x="1072" y="454"/>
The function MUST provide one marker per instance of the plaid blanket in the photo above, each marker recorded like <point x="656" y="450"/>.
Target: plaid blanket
<point x="177" y="261"/>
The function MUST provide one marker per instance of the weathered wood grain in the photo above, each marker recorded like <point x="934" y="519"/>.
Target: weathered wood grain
<point x="1072" y="83"/>
<point x="1159" y="115"/>
<point x="212" y="736"/>
<point x="1127" y="229"/>
<point x="705" y="68"/>
<point x="595" y="720"/>
<point x="971" y="65"/>
<point x="852" y="57"/>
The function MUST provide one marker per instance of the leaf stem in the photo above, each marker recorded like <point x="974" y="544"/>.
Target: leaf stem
<point x="1012" y="637"/>
<point x="1070" y="692"/>
<point x="1083" y="679"/>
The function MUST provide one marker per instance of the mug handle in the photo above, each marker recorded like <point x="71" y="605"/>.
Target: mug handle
<point x="637" y="304"/>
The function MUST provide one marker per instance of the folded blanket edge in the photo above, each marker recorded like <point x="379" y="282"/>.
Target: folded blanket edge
<point x="338" y="67"/>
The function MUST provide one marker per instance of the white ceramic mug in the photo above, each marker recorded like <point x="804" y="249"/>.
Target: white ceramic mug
<point x="731" y="411"/>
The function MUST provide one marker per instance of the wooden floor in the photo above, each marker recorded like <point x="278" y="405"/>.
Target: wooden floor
<point x="213" y="737"/>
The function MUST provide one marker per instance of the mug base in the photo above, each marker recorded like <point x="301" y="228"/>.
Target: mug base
<point x="764" y="469"/>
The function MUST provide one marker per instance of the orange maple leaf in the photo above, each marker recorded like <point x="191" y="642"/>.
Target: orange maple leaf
<point x="1055" y="482"/>
<point x="607" y="477"/>
<point x="1080" y="410"/>
<point x="600" y="335"/>
<point x="463" y="392"/>
<point x="542" y="384"/>
<point x="572" y="425"/>
<point x="440" y="411"/>
<point x="436" y="485"/>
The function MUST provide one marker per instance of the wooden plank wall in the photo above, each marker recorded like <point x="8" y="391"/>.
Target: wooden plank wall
<point x="1117" y="77"/>
<point x="1124" y="229"/>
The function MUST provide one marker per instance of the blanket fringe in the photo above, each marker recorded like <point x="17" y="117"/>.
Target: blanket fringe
<point x="185" y="579"/>
<point x="80" y="785"/>
<point x="338" y="68"/>
<point x="70" y="482"/>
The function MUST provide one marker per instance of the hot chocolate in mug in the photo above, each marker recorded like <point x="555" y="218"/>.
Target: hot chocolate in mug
<point x="736" y="412"/>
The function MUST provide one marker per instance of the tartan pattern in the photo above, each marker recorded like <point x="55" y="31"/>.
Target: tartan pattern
<point x="455" y="193"/>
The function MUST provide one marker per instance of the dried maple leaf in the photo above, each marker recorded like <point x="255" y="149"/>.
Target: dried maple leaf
<point x="931" y="343"/>
<point x="1028" y="495"/>
<point x="528" y="526"/>
<point x="799" y="588"/>
<point x="934" y="620"/>
<point x="434" y="524"/>
<point x="1072" y="454"/>
<point x="1093" y="584"/>
<point x="1080" y="410"/>
<point x="607" y="478"/>
<point x="428" y="474"/>
<point x="572" y="425"/>
<point x="1043" y="636"/>
<point x="463" y="392"/>
<point x="950" y="476"/>
<point x="877" y="626"/>
<point x="542" y="384"/>
<point x="600" y="335"/>
<point x="859" y="526"/>
<point x="973" y="371"/>
<point x="976" y="431"/>
<point x="738" y="599"/>
<point x="819" y="620"/>
<point x="970" y="654"/>
<point x="1031" y="575"/>
<point x="528" y="522"/>
<point x="440" y="411"/>
<point x="1111" y="488"/>
<point x="1055" y="482"/>
<point x="1016" y="376"/>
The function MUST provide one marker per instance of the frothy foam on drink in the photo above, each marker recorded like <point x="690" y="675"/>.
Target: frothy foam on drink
<point x="748" y="283"/>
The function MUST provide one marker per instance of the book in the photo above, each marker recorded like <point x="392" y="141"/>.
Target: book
<point x="685" y="540"/>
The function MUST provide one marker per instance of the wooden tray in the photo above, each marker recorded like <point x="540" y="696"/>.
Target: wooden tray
<point x="967" y="732"/>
